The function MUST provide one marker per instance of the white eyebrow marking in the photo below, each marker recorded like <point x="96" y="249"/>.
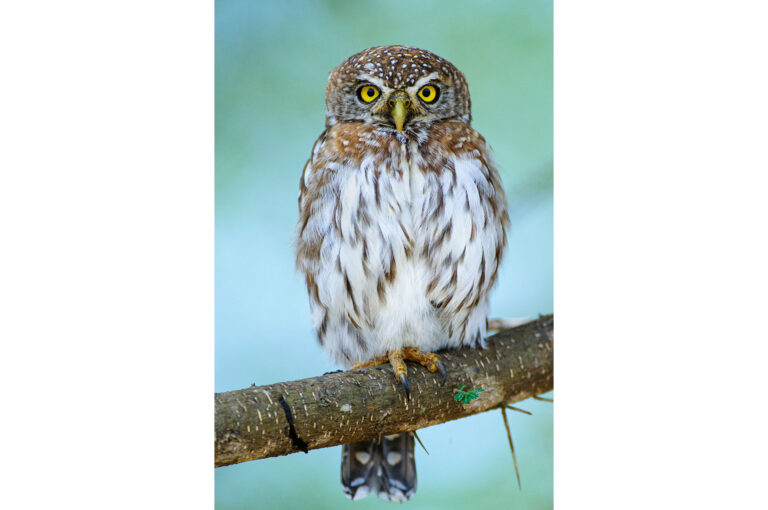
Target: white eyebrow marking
<point x="376" y="81"/>
<point x="424" y="80"/>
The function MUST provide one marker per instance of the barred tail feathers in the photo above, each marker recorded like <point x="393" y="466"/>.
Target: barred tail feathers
<point x="386" y="466"/>
<point x="359" y="468"/>
<point x="397" y="481"/>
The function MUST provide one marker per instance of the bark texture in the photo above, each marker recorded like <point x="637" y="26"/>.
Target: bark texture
<point x="344" y="407"/>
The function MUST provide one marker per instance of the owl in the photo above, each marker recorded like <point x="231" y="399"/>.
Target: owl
<point x="401" y="231"/>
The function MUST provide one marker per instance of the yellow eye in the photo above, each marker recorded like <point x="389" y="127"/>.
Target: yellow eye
<point x="367" y="93"/>
<point x="429" y="93"/>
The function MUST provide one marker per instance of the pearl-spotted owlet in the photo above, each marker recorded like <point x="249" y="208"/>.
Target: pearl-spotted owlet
<point x="401" y="230"/>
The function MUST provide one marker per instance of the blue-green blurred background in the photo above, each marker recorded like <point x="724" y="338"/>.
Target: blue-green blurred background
<point x="272" y="63"/>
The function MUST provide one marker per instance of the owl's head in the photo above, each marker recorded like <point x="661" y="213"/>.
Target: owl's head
<point x="396" y="87"/>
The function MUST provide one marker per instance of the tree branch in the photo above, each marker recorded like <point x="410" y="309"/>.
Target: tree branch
<point x="344" y="407"/>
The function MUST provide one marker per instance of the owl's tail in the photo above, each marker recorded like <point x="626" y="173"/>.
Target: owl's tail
<point x="386" y="466"/>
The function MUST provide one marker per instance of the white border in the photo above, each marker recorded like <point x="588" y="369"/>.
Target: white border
<point x="106" y="204"/>
<point x="660" y="238"/>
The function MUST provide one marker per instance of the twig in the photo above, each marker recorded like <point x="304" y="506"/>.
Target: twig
<point x="419" y="440"/>
<point x="511" y="446"/>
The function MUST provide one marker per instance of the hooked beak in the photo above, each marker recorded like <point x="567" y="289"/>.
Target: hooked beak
<point x="398" y="106"/>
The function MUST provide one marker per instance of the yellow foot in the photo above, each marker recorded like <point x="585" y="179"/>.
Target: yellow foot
<point x="397" y="359"/>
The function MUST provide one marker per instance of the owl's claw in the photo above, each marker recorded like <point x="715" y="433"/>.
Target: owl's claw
<point x="407" y="388"/>
<point x="397" y="359"/>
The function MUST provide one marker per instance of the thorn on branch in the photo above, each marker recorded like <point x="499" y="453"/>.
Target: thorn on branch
<point x="419" y="440"/>
<point x="511" y="446"/>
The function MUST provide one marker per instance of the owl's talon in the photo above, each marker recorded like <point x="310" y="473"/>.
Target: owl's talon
<point x="443" y="371"/>
<point x="397" y="358"/>
<point x="407" y="388"/>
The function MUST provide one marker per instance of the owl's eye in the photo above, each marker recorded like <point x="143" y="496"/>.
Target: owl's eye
<point x="367" y="93"/>
<point x="429" y="93"/>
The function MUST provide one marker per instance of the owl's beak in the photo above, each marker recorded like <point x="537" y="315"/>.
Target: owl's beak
<point x="398" y="106"/>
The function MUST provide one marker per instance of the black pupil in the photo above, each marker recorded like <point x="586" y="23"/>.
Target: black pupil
<point x="427" y="92"/>
<point x="369" y="92"/>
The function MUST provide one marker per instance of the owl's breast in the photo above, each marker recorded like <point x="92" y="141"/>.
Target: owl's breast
<point x="398" y="248"/>
<point x="374" y="270"/>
